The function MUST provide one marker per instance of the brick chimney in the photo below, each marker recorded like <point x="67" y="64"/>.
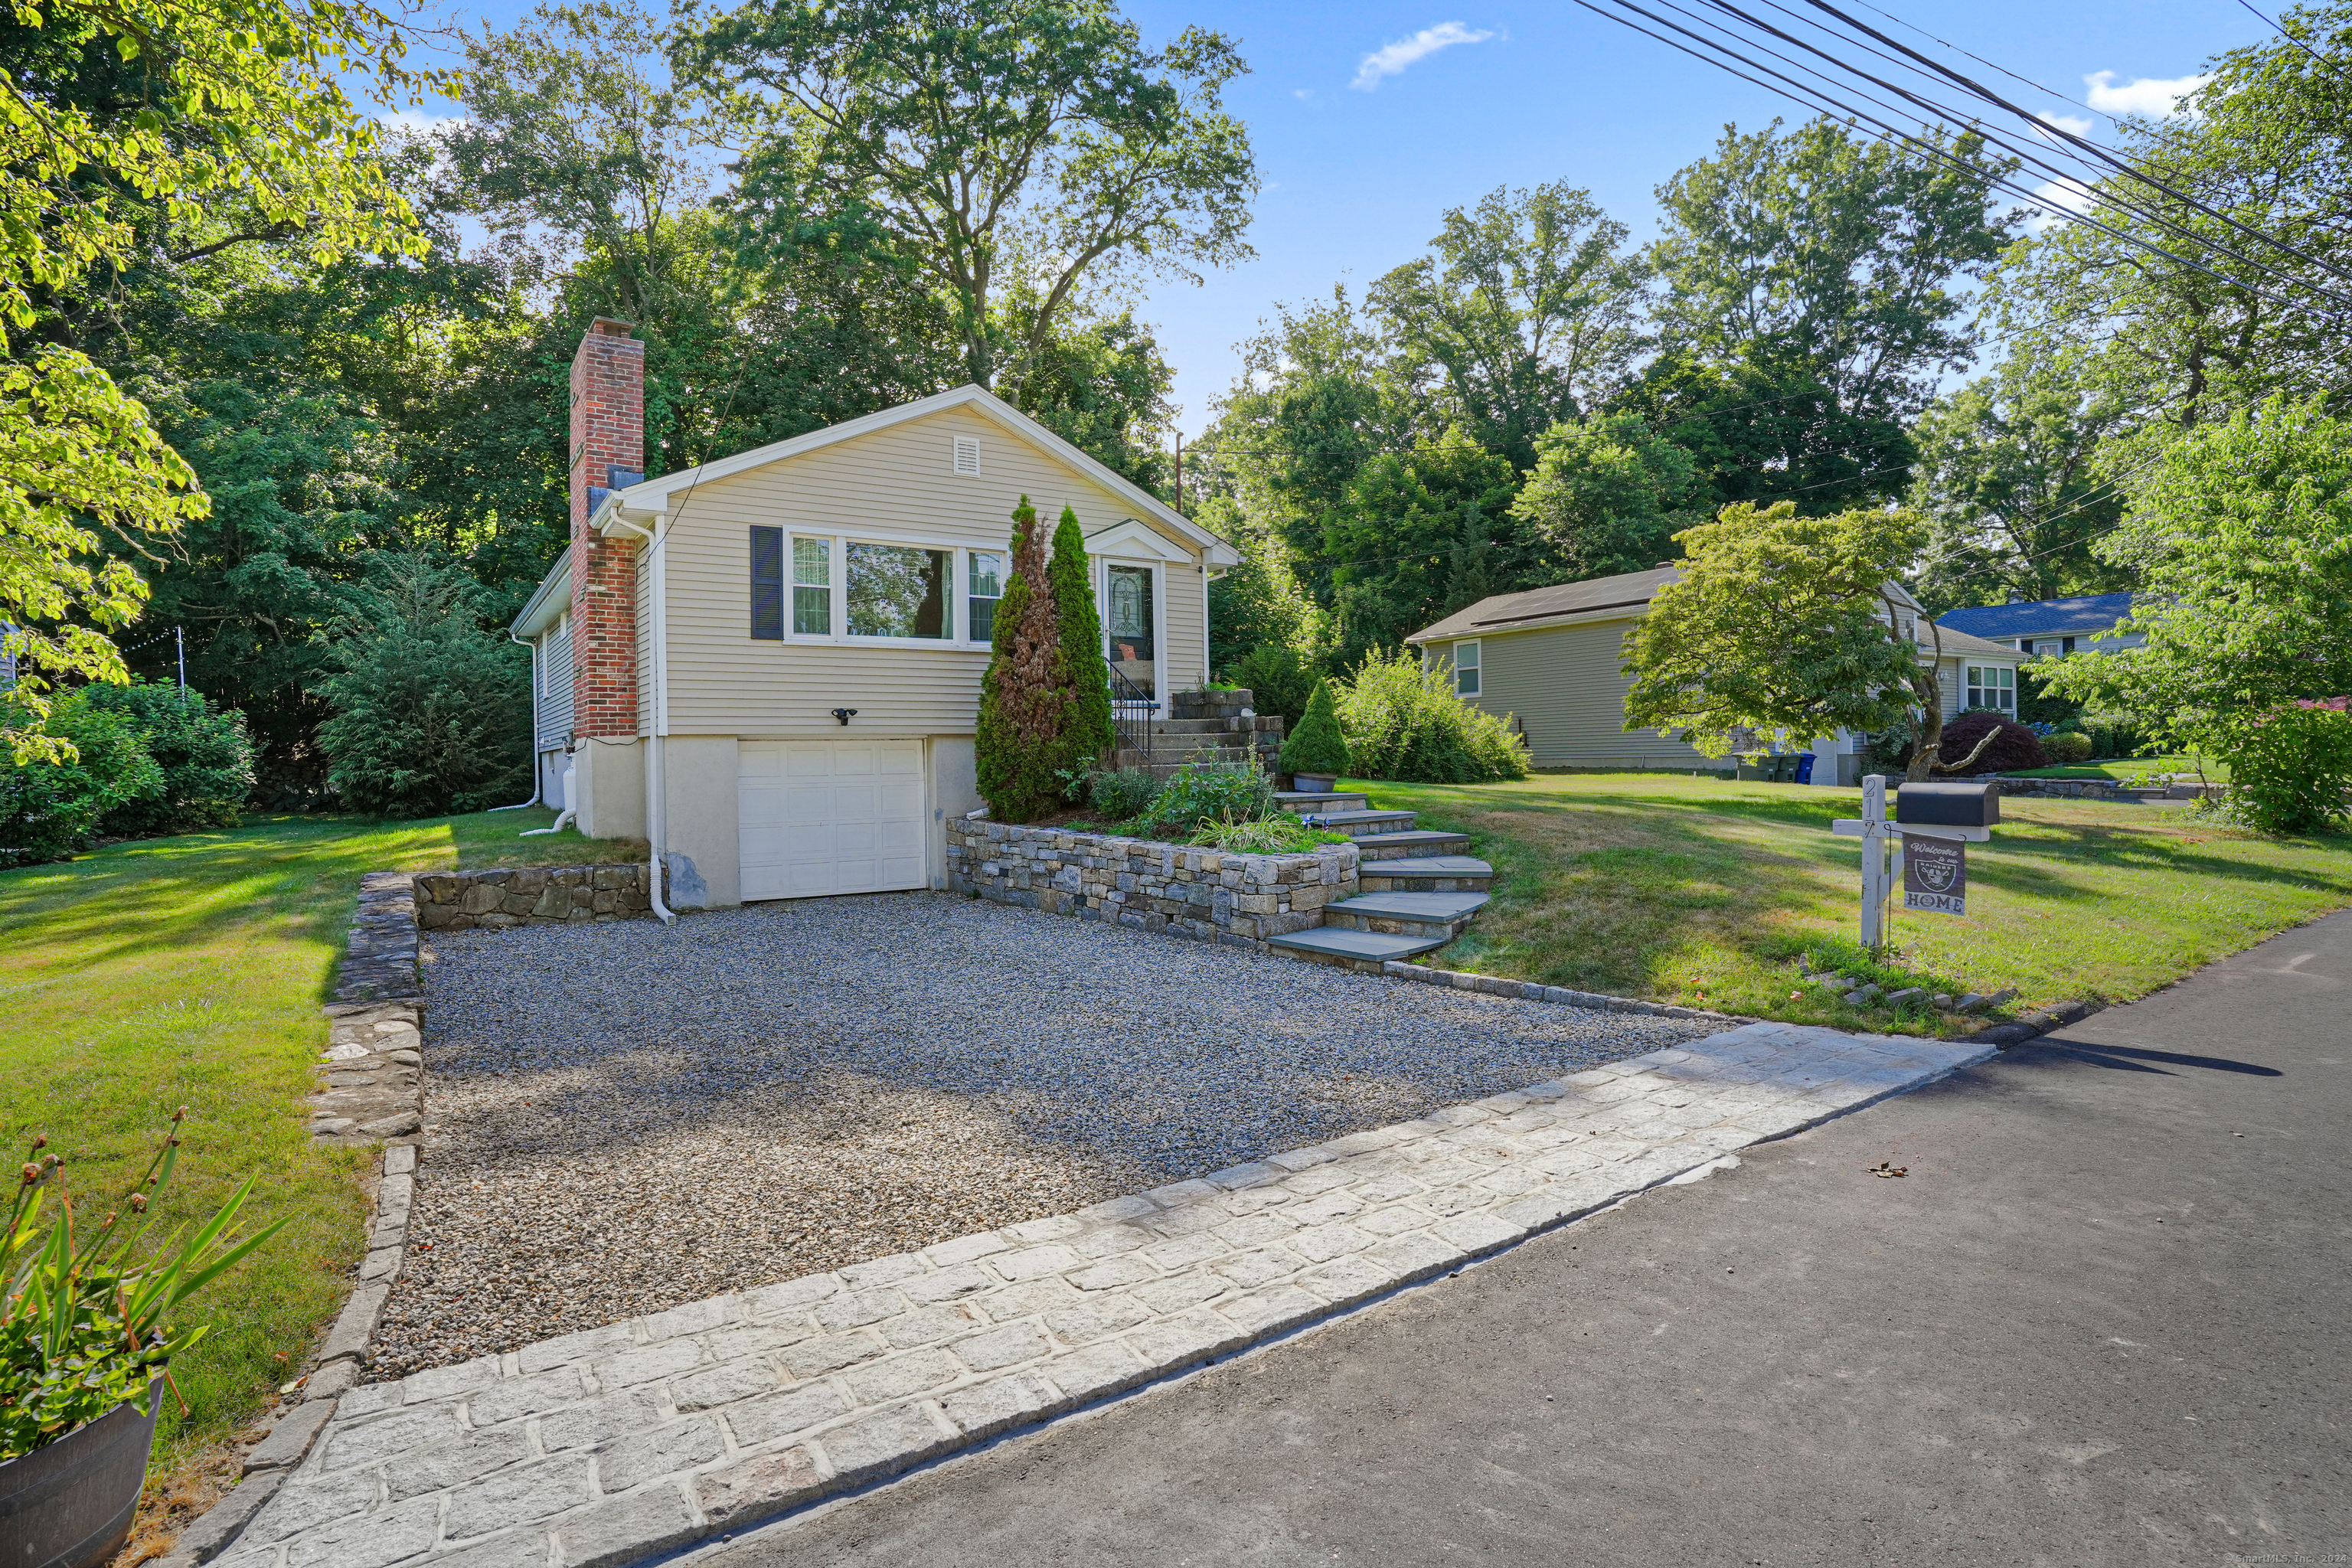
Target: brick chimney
<point x="608" y="451"/>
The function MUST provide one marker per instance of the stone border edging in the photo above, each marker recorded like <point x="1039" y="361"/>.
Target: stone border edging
<point x="372" y="1042"/>
<point x="614" y="1446"/>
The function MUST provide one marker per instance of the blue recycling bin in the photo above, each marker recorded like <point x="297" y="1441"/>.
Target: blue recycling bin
<point x="1804" y="767"/>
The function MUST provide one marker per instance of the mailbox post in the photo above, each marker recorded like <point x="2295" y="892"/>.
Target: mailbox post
<point x="1964" y="809"/>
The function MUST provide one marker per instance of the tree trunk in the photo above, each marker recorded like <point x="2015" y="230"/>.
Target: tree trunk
<point x="1930" y="749"/>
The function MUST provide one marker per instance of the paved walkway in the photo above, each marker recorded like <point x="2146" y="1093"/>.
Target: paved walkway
<point x="610" y="1446"/>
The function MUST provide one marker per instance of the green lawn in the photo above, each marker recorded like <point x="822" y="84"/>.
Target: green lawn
<point x="2132" y="768"/>
<point x="190" y="971"/>
<point x="1705" y="892"/>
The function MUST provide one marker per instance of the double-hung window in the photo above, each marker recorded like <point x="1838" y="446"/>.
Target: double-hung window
<point x="987" y="586"/>
<point x="898" y="591"/>
<point x="1466" y="669"/>
<point x="812" y="587"/>
<point x="1993" y="687"/>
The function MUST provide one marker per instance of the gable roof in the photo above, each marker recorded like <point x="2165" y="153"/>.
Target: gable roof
<point x="1624" y="597"/>
<point x="651" y="497"/>
<point x="1629" y="591"/>
<point x="2039" y="617"/>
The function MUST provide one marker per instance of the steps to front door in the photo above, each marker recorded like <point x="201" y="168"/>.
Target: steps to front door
<point x="1419" y="890"/>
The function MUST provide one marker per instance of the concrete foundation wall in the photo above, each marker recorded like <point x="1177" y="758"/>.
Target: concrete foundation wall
<point x="700" y="840"/>
<point x="610" y="781"/>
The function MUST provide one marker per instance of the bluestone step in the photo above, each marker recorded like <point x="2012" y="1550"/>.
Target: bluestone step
<point x="1352" y="949"/>
<point x="1414" y="906"/>
<point x="1427" y="874"/>
<point x="1302" y="800"/>
<point x="1417" y="842"/>
<point x="1363" y="823"/>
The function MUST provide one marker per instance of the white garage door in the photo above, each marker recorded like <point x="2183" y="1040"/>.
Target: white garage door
<point x="829" y="816"/>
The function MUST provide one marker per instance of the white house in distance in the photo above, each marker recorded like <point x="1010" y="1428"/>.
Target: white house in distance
<point x="2047" y="628"/>
<point x="768" y="666"/>
<point x="1552" y="658"/>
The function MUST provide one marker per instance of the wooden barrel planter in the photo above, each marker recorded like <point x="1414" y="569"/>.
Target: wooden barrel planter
<point x="69" y="1504"/>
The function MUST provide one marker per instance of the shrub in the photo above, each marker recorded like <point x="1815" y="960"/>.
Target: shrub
<point x="1281" y="834"/>
<point x="2289" y="768"/>
<point x="2067" y="746"/>
<point x="2015" y="747"/>
<point x="51" y="811"/>
<point x="205" y="756"/>
<point x="1123" y="795"/>
<point x="1211" y="792"/>
<point x="1018" y="747"/>
<point x="1316" y="746"/>
<point x="1403" y="721"/>
<point x="1279" y="679"/>
<point x="432" y="713"/>
<point x="1082" y="671"/>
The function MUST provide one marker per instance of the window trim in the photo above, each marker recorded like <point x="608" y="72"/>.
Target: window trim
<point x="959" y="553"/>
<point x="1477" y="670"/>
<point x="964" y="561"/>
<point x="1999" y="680"/>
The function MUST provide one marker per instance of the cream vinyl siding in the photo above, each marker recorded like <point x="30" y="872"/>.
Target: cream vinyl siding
<point x="1563" y="685"/>
<point x="644" y="627"/>
<point x="553" y="698"/>
<point x="894" y="486"/>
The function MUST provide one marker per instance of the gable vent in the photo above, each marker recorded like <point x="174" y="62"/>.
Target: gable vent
<point x="967" y="454"/>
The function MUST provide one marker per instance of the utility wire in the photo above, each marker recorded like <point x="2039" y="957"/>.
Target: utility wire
<point x="1806" y="95"/>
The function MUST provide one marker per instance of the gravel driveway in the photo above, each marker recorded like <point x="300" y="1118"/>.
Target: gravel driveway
<point x="624" y="1118"/>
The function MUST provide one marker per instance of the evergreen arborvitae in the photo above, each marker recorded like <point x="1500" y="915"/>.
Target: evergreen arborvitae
<point x="1316" y="746"/>
<point x="1084" y="674"/>
<point x="1019" y="741"/>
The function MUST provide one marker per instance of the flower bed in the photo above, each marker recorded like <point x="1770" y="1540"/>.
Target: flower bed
<point x="1213" y="894"/>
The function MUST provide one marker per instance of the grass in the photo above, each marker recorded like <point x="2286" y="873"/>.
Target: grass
<point x="1706" y="893"/>
<point x="2131" y="768"/>
<point x="190" y="971"/>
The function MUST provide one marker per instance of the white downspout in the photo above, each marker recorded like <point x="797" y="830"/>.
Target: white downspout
<point x="656" y="778"/>
<point x="535" y="785"/>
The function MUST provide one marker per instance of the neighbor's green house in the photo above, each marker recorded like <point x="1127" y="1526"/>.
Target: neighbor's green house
<point x="1551" y="658"/>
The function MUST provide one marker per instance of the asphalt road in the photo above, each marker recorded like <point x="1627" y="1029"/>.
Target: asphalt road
<point x="2102" y="1320"/>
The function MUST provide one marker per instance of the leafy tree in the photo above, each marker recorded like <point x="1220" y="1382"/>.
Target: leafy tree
<point x="1395" y="538"/>
<point x="432" y="713"/>
<point x="204" y="760"/>
<point x="1529" y="309"/>
<point x="2243" y="538"/>
<point x="1080" y="669"/>
<point x="128" y="120"/>
<point x="1261" y="601"/>
<point x="963" y="138"/>
<point x="1606" y="495"/>
<point x="1764" y="429"/>
<point x="1018" y="744"/>
<point x="1316" y="745"/>
<point x="1791" y="625"/>
<point x="2009" y="478"/>
<point x="1832" y="250"/>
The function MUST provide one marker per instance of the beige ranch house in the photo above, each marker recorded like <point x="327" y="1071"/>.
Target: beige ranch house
<point x="1552" y="657"/>
<point x="770" y="666"/>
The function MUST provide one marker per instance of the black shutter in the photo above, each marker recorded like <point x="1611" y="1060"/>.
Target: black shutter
<point x="768" y="584"/>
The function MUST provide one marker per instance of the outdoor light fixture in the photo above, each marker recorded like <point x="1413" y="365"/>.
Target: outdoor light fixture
<point x="845" y="714"/>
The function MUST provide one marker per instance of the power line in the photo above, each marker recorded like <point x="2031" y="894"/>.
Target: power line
<point x="2290" y="39"/>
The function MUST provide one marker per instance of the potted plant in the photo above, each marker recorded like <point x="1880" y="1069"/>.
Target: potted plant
<point x="84" y="1345"/>
<point x="1315" y="755"/>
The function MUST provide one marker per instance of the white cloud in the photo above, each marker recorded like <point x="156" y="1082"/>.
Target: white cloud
<point x="2072" y="195"/>
<point x="2075" y="124"/>
<point x="1391" y="58"/>
<point x="1302" y="92"/>
<point x="417" y="120"/>
<point x="2154" y="97"/>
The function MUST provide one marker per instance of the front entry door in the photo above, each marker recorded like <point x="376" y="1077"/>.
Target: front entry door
<point x="1129" y="636"/>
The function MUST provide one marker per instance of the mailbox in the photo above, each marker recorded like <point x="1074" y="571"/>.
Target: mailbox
<point x="1956" y="802"/>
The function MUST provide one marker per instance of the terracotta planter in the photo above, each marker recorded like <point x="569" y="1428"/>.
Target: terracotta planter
<point x="1313" y="783"/>
<point x="69" y="1505"/>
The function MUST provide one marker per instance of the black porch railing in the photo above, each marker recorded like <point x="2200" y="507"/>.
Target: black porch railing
<point x="1131" y="711"/>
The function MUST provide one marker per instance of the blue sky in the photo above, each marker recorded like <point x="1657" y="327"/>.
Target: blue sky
<point x="1462" y="96"/>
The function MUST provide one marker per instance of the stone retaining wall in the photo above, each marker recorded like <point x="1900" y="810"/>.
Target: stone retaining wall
<point x="520" y="895"/>
<point x="1206" y="893"/>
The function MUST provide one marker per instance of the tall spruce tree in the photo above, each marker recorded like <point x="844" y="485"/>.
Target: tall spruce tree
<point x="1021" y="707"/>
<point x="1082" y="672"/>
